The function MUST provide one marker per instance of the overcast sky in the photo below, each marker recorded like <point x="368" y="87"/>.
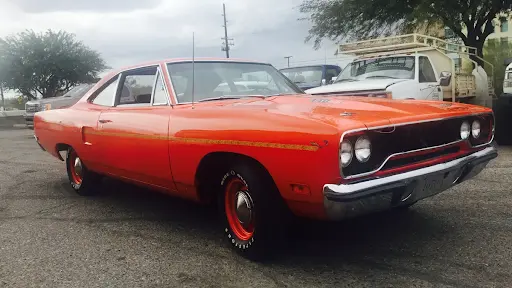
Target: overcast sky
<point x="126" y="32"/>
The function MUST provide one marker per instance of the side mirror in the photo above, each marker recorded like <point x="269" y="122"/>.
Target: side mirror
<point x="445" y="78"/>
<point x="332" y="80"/>
<point x="323" y="82"/>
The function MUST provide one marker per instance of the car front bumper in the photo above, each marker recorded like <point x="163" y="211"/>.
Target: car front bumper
<point x="349" y="200"/>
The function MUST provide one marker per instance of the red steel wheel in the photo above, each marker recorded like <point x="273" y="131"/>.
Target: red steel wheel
<point x="82" y="180"/>
<point x="253" y="214"/>
<point x="239" y="209"/>
<point x="75" y="167"/>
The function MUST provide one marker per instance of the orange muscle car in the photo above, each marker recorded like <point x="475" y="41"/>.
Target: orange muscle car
<point x="240" y="134"/>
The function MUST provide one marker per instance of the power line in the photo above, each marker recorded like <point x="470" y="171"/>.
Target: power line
<point x="226" y="43"/>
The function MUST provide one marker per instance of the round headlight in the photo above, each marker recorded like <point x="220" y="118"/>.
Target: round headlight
<point x="464" y="130"/>
<point x="345" y="153"/>
<point x="475" y="129"/>
<point x="363" y="149"/>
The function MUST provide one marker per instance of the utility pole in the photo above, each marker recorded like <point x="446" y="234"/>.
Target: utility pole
<point x="288" y="58"/>
<point x="225" y="44"/>
<point x="2" y="94"/>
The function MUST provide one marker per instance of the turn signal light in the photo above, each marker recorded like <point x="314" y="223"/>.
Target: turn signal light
<point x="300" y="189"/>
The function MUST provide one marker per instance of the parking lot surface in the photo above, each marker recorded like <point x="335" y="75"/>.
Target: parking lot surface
<point x="131" y="237"/>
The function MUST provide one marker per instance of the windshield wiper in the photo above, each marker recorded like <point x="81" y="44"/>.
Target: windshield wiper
<point x="347" y="79"/>
<point x="230" y="97"/>
<point x="381" y="76"/>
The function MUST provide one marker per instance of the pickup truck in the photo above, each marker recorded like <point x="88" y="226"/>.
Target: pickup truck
<point x="410" y="67"/>
<point x="507" y="80"/>
<point x="66" y="100"/>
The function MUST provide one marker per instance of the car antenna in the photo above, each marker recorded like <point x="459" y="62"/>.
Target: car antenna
<point x="193" y="68"/>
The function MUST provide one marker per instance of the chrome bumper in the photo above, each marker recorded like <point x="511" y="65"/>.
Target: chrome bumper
<point x="350" y="200"/>
<point x="37" y="141"/>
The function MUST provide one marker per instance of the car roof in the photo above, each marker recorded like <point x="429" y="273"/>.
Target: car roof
<point x="189" y="59"/>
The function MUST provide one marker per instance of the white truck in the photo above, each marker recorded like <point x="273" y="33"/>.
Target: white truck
<point x="411" y="66"/>
<point x="507" y="80"/>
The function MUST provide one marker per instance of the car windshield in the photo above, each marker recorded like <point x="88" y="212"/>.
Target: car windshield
<point x="304" y="75"/>
<point x="78" y="91"/>
<point x="390" y="67"/>
<point x="508" y="75"/>
<point x="227" y="79"/>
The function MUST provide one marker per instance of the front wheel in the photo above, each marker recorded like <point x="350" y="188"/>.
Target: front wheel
<point x="253" y="212"/>
<point x="82" y="180"/>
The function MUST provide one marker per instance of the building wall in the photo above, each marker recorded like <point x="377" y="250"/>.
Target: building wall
<point x="502" y="28"/>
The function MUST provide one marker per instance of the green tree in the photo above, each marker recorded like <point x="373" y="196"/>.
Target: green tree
<point x="471" y="20"/>
<point x="48" y="63"/>
<point x="496" y="52"/>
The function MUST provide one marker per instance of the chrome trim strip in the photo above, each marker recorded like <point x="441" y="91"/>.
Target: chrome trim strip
<point x="401" y="153"/>
<point x="120" y="76"/>
<point x="358" y="93"/>
<point x="346" y="189"/>
<point x="159" y="74"/>
<point x="154" y="86"/>
<point x="430" y="120"/>
<point x="172" y="86"/>
<point x="411" y="151"/>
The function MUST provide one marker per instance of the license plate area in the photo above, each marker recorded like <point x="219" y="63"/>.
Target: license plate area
<point x="435" y="183"/>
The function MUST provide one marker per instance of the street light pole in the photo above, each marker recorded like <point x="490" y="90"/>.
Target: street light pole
<point x="288" y="58"/>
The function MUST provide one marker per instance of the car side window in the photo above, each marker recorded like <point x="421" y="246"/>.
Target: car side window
<point x="426" y="73"/>
<point x="106" y="96"/>
<point x="330" y="72"/>
<point x="160" y="95"/>
<point x="137" y="87"/>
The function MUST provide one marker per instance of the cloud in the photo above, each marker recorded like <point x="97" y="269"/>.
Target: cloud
<point x="99" y="6"/>
<point x="127" y="32"/>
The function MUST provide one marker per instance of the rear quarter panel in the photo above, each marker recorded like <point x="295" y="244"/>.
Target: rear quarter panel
<point x="63" y="126"/>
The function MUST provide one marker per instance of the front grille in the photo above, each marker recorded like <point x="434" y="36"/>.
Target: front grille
<point x="411" y="137"/>
<point x="407" y="160"/>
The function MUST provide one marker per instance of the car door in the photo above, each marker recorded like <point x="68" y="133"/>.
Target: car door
<point x="99" y="101"/>
<point x="428" y="85"/>
<point x="135" y="130"/>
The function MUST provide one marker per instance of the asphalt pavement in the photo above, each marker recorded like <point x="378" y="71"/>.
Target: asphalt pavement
<point x="131" y="237"/>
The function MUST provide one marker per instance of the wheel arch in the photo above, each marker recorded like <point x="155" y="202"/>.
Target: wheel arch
<point x="59" y="147"/>
<point x="219" y="162"/>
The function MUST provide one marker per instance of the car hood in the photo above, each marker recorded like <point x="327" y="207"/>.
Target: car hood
<point x="49" y="100"/>
<point x="348" y="112"/>
<point x="355" y="86"/>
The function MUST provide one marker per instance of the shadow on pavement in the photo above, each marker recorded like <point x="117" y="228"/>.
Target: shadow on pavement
<point x="391" y="234"/>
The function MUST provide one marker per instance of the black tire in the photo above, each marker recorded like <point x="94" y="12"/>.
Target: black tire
<point x="87" y="182"/>
<point x="404" y="207"/>
<point x="269" y="217"/>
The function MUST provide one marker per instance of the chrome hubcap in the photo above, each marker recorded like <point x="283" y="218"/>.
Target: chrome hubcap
<point x="78" y="167"/>
<point x="244" y="207"/>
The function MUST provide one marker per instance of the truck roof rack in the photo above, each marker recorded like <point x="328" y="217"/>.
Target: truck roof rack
<point x="401" y="44"/>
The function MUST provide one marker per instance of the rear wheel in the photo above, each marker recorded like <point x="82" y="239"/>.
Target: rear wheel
<point x="82" y="180"/>
<point x="253" y="212"/>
